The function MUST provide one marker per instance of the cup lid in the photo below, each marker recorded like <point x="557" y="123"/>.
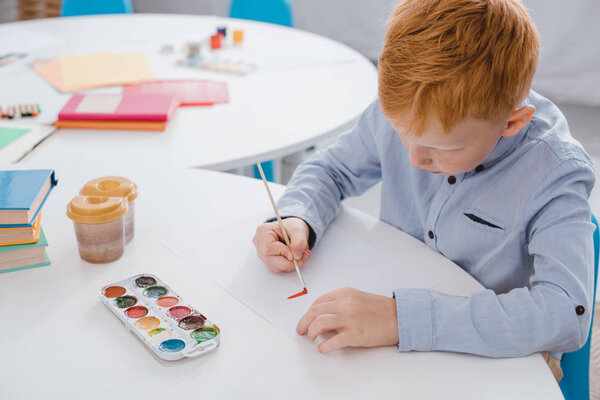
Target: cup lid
<point x="112" y="186"/>
<point x="96" y="209"/>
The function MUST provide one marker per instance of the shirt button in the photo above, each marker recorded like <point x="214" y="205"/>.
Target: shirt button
<point x="451" y="180"/>
<point x="431" y="236"/>
<point x="579" y="309"/>
<point x="479" y="168"/>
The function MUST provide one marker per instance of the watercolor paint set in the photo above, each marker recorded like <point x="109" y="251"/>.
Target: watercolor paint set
<point x="157" y="315"/>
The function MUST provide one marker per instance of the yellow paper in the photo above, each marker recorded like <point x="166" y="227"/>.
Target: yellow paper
<point x="104" y="69"/>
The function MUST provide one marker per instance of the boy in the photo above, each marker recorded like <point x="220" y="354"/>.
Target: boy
<point x="475" y="164"/>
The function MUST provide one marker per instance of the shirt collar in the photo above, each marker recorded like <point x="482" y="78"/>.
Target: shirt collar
<point x="506" y="145"/>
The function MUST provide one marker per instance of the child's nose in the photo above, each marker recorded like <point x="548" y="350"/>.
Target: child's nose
<point x="418" y="157"/>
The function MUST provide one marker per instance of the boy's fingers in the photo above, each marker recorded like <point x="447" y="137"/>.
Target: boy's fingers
<point x="325" y="297"/>
<point x="299" y="244"/>
<point x="324" y="323"/>
<point x="305" y="256"/>
<point x="279" y="249"/>
<point x="298" y="234"/>
<point x="313" y="312"/>
<point x="334" y="343"/>
<point x="278" y="264"/>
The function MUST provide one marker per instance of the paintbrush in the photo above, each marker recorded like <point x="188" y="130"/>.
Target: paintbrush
<point x="284" y="232"/>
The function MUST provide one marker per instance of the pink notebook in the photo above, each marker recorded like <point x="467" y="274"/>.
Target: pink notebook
<point x="189" y="92"/>
<point x="120" y="107"/>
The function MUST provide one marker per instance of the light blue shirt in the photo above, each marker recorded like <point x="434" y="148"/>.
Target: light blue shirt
<point x="520" y="226"/>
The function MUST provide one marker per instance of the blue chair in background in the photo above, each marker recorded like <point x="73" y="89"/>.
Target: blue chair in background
<point x="273" y="11"/>
<point x="71" y="8"/>
<point x="575" y="384"/>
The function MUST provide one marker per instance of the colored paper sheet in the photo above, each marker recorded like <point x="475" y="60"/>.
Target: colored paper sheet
<point x="127" y="107"/>
<point x="190" y="92"/>
<point x="8" y="135"/>
<point x="104" y="69"/>
<point x="74" y="73"/>
<point x="341" y="259"/>
<point x="50" y="71"/>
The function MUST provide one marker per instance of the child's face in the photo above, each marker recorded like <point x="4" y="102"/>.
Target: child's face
<point x="461" y="149"/>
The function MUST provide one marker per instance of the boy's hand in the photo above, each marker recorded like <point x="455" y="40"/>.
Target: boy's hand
<point x="272" y="250"/>
<point x="359" y="319"/>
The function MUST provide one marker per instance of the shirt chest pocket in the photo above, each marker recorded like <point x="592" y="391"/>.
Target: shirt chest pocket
<point x="479" y="220"/>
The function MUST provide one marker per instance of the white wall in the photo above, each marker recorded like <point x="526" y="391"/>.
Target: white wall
<point x="569" y="68"/>
<point x="202" y="7"/>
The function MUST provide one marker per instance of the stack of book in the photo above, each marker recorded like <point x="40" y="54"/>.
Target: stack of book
<point x="22" y="196"/>
<point x="137" y="111"/>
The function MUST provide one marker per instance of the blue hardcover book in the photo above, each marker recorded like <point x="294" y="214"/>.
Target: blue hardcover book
<point x="22" y="194"/>
<point x="24" y="256"/>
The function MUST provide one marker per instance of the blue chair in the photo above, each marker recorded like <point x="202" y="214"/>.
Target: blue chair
<point x="71" y="8"/>
<point x="575" y="384"/>
<point x="272" y="11"/>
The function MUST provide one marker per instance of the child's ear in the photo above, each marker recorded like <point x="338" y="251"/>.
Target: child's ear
<point x="518" y="119"/>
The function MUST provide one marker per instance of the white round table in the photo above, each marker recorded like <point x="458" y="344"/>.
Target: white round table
<point x="306" y="89"/>
<point x="58" y="341"/>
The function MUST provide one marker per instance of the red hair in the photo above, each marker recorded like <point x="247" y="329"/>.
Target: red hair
<point x="456" y="58"/>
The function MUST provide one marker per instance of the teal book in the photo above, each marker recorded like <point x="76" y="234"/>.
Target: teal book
<point x="24" y="256"/>
<point x="22" y="195"/>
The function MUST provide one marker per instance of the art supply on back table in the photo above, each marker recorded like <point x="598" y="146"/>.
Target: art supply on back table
<point x="116" y="186"/>
<point x="215" y="41"/>
<point x="238" y="37"/>
<point x="20" y="111"/>
<point x="99" y="223"/>
<point x="216" y="63"/>
<point x="217" y="53"/>
<point x="169" y="326"/>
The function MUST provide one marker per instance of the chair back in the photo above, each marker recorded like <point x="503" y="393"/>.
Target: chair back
<point x="90" y="7"/>
<point x="575" y="384"/>
<point x="273" y="11"/>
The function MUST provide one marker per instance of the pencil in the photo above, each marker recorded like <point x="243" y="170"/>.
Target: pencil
<point x="284" y="232"/>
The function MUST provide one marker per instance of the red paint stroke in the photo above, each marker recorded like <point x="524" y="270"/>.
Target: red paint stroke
<point x="302" y="293"/>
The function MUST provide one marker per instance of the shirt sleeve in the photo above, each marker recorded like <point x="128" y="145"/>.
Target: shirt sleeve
<point x="347" y="168"/>
<point x="552" y="314"/>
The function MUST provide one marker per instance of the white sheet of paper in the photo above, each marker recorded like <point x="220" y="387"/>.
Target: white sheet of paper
<point x="340" y="260"/>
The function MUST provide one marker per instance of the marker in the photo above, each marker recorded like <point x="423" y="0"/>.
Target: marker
<point x="215" y="41"/>
<point x="238" y="36"/>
